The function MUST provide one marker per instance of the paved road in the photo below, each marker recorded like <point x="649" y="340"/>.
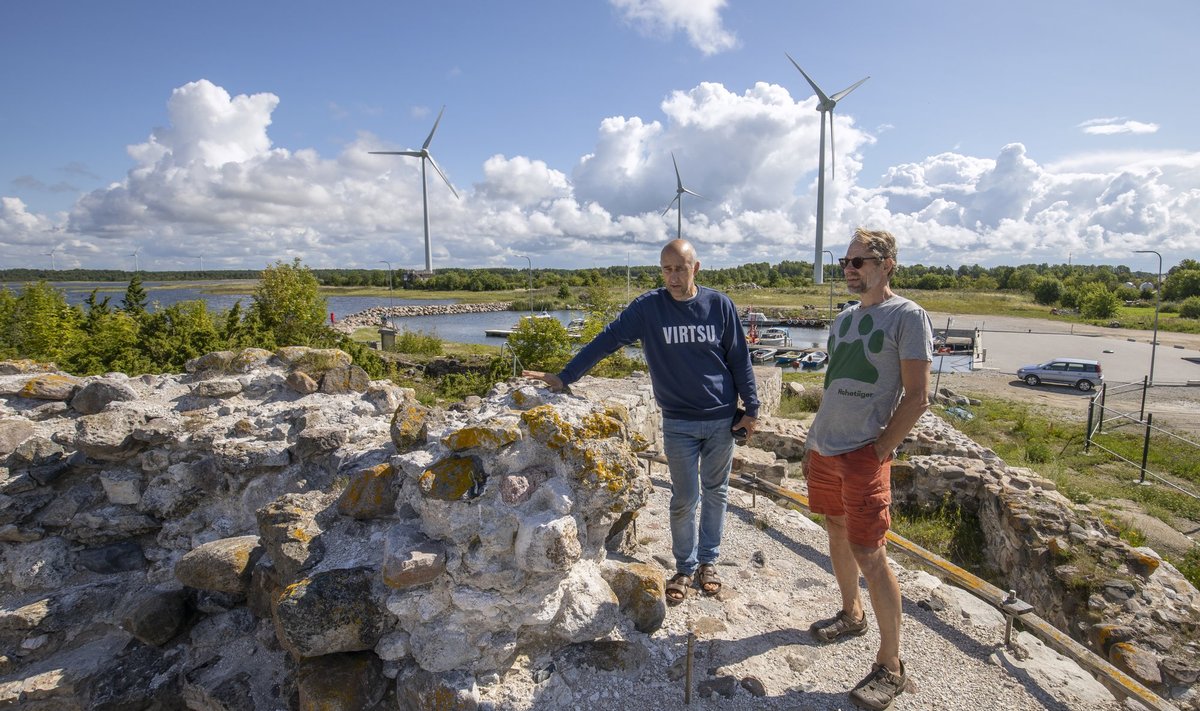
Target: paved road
<point x="1013" y="342"/>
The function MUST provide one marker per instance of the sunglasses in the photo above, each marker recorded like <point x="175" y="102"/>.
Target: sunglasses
<point x="856" y="262"/>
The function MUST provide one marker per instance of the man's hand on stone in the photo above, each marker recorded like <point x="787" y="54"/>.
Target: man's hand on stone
<point x="747" y="422"/>
<point x="550" y="379"/>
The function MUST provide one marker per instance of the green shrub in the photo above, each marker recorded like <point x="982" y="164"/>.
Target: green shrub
<point x="1037" y="452"/>
<point x="1047" y="290"/>
<point x="418" y="342"/>
<point x="1190" y="307"/>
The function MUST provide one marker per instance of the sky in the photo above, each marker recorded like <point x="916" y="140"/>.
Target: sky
<point x="233" y="135"/>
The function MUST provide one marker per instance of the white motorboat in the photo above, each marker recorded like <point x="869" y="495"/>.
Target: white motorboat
<point x="763" y="355"/>
<point x="813" y="360"/>
<point x="774" y="336"/>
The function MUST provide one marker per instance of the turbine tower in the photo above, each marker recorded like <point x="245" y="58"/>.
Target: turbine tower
<point x="825" y="106"/>
<point x="425" y="155"/>
<point x="50" y="254"/>
<point x="679" y="191"/>
<point x="135" y="259"/>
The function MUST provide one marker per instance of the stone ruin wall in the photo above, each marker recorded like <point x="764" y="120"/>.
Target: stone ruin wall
<point x="274" y="529"/>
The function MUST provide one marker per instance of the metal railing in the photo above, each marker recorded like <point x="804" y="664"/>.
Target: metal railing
<point x="1100" y="414"/>
<point x="1116" y="681"/>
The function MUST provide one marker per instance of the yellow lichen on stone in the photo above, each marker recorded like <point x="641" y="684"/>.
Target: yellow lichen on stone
<point x="598" y="425"/>
<point x="548" y="427"/>
<point x="484" y="436"/>
<point x="300" y="534"/>
<point x="449" y="479"/>
<point x="408" y="424"/>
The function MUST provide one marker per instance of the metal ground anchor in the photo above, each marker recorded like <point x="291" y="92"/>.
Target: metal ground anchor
<point x="1012" y="607"/>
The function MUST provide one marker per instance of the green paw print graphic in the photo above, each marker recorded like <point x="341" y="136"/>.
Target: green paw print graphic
<point x="849" y="359"/>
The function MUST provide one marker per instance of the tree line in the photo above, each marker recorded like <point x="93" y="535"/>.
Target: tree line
<point x="100" y="336"/>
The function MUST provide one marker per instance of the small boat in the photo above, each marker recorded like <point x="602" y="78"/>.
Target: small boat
<point x="762" y="355"/>
<point x="758" y="318"/>
<point x="785" y="356"/>
<point x="774" y="336"/>
<point x="814" y="360"/>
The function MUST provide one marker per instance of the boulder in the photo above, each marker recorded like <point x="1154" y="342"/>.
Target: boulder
<point x="341" y="682"/>
<point x="640" y="591"/>
<point x="108" y="435"/>
<point x="12" y="433"/>
<point x="50" y="386"/>
<point x="333" y="611"/>
<point x="221" y="566"/>
<point x="370" y="493"/>
<point x="155" y="617"/>
<point x="95" y="395"/>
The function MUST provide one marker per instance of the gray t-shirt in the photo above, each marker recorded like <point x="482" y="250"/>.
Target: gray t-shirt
<point x="862" y="380"/>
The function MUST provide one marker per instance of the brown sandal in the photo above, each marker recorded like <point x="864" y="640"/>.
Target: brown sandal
<point x="710" y="582"/>
<point x="677" y="588"/>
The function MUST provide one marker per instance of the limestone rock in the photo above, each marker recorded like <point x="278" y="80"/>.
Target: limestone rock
<point x="210" y="363"/>
<point x="95" y="395"/>
<point x="755" y="462"/>
<point x="316" y="442"/>
<point x="370" y="493"/>
<point x="345" y="379"/>
<point x="12" y="433"/>
<point x="154" y="617"/>
<point x="108" y="435"/>
<point x="290" y="533"/>
<point x="301" y="382"/>
<point x="341" y="682"/>
<point x="333" y="611"/>
<point x="409" y="425"/>
<point x="113" y="558"/>
<point x="222" y="566"/>
<point x="410" y="559"/>
<point x="419" y="690"/>
<point x="218" y="388"/>
<point x="640" y="591"/>
<point x="51" y="386"/>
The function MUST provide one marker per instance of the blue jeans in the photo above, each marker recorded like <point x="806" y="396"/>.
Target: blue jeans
<point x="699" y="455"/>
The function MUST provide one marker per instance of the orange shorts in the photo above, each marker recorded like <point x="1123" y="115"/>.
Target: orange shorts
<point x="855" y="485"/>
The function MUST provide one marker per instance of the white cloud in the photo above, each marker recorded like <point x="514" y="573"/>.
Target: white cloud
<point x="1115" y="125"/>
<point x="699" y="19"/>
<point x="211" y="184"/>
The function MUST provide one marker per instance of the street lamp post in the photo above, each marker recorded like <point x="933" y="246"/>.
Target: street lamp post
<point x="831" y="261"/>
<point x="1157" y="304"/>
<point x="391" y="302"/>
<point x="529" y="295"/>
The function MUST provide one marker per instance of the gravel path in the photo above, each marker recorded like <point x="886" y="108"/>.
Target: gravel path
<point x="777" y="582"/>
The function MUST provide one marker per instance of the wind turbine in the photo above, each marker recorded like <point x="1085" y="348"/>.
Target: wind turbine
<point x="135" y="260"/>
<point x="50" y="254"/>
<point x="425" y="155"/>
<point x="825" y="106"/>
<point x="679" y="191"/>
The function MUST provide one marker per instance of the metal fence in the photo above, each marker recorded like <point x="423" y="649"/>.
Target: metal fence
<point x="1101" y="415"/>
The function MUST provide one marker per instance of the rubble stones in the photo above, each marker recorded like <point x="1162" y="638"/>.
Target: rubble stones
<point x="96" y="395"/>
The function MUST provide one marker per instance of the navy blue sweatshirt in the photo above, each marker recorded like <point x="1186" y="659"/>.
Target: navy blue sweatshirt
<point x="696" y="350"/>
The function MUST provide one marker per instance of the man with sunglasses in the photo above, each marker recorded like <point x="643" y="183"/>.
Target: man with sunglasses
<point x="876" y="388"/>
<point x="699" y="366"/>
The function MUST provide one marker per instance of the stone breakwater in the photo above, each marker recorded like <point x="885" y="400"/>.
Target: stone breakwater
<point x="377" y="315"/>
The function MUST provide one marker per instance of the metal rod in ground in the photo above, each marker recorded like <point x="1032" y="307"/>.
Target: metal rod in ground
<point x="1087" y="436"/>
<point x="687" y="690"/>
<point x="1145" y="387"/>
<point x="1146" y="445"/>
<point x="1103" y="397"/>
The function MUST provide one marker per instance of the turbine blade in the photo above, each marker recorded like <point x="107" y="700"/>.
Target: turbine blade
<point x="816" y="89"/>
<point x="838" y="96"/>
<point x="415" y="154"/>
<point x="672" y="204"/>
<point x="443" y="175"/>
<point x="689" y="192"/>
<point x="425" y="145"/>
<point x="678" y="180"/>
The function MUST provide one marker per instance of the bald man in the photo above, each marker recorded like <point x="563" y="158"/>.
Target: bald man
<point x="699" y="366"/>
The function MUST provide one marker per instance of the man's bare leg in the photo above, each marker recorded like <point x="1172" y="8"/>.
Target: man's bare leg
<point x="845" y="567"/>
<point x="885" y="600"/>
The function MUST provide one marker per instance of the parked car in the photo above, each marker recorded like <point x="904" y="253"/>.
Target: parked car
<point x="1077" y="372"/>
